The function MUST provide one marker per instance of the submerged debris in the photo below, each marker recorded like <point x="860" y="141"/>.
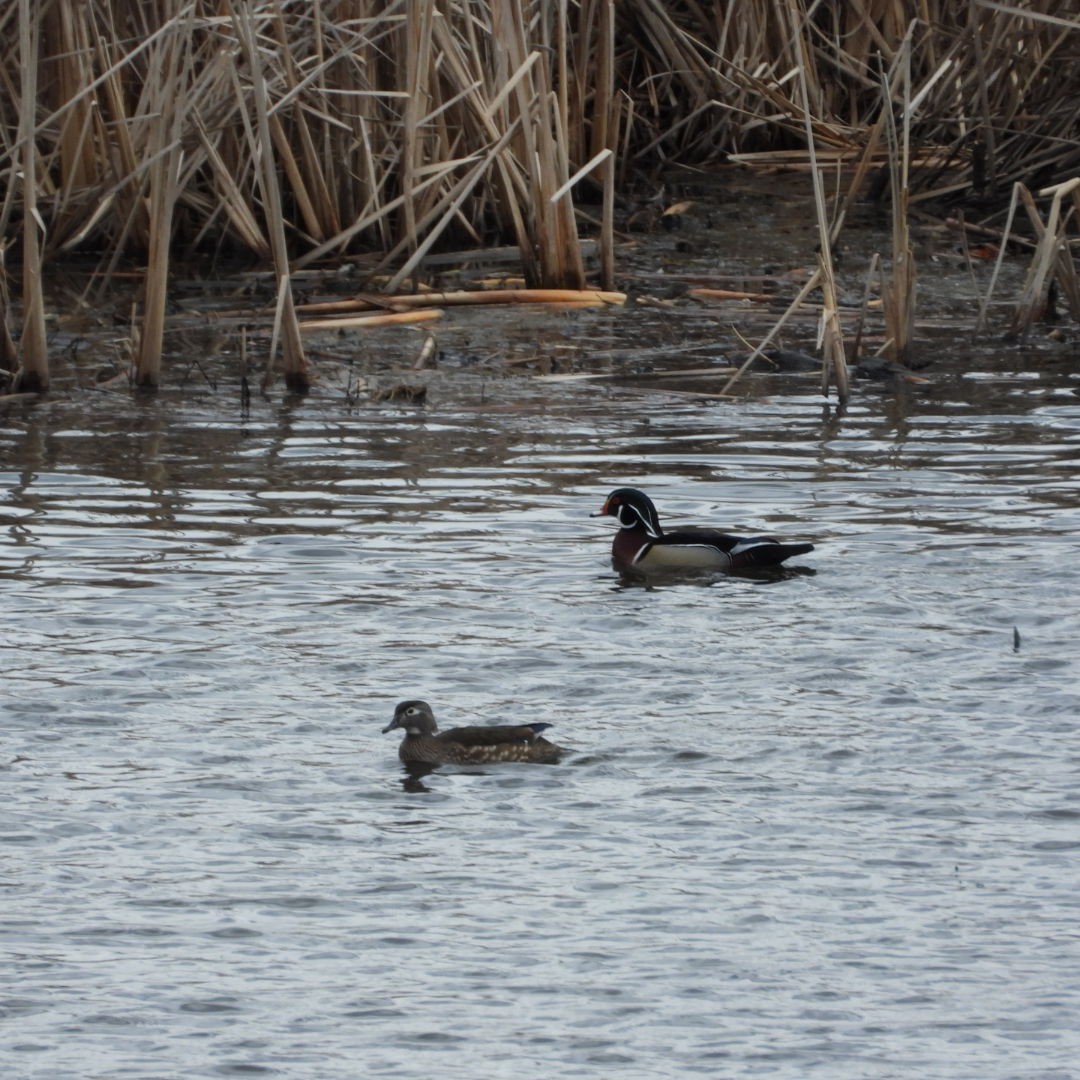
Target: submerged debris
<point x="415" y="393"/>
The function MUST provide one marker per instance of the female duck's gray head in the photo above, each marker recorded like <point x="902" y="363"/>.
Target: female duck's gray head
<point x="414" y="718"/>
<point x="632" y="509"/>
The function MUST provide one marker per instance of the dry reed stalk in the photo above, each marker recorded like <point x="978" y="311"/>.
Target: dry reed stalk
<point x="33" y="374"/>
<point x="441" y="216"/>
<point x="898" y="294"/>
<point x="569" y="269"/>
<point x="483" y="94"/>
<point x="126" y="209"/>
<point x="125" y="119"/>
<point x="574" y="305"/>
<point x="605" y="136"/>
<point x="310" y="177"/>
<point x="374" y="217"/>
<point x="540" y="151"/>
<point x="1066" y="269"/>
<point x="593" y="297"/>
<point x="363" y="302"/>
<point x="1000" y="235"/>
<point x="1051" y="261"/>
<point x="169" y="69"/>
<point x="990" y="77"/>
<point x="74" y="151"/>
<point x="864" y="307"/>
<point x="830" y="332"/>
<point x="813" y="282"/>
<point x="9" y="356"/>
<point x="368" y="102"/>
<point x="427" y="357"/>
<point x="980" y="321"/>
<point x="731" y="294"/>
<point x="358" y="322"/>
<point x="294" y="363"/>
<point x="418" y="31"/>
<point x="231" y="198"/>
<point x="858" y="178"/>
<point x="607" y="228"/>
<point x="293" y="173"/>
<point x="677" y="373"/>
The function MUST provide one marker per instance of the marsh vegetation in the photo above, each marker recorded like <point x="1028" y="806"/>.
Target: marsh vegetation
<point x="368" y="139"/>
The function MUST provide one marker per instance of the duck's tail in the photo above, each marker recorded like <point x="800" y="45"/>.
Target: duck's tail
<point x="774" y="553"/>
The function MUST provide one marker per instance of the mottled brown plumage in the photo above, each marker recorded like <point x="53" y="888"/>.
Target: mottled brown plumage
<point x="424" y="744"/>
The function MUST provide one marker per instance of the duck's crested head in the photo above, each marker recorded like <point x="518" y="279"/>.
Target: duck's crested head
<point x="414" y="717"/>
<point x="632" y="509"/>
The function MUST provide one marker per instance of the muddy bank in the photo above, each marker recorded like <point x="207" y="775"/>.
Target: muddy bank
<point x="703" y="284"/>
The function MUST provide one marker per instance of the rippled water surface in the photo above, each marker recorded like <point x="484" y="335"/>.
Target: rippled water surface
<point x="820" y="826"/>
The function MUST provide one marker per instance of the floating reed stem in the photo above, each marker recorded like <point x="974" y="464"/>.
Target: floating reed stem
<point x="359" y="322"/>
<point x="594" y="297"/>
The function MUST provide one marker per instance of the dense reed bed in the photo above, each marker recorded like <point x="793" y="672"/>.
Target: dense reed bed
<point x="375" y="131"/>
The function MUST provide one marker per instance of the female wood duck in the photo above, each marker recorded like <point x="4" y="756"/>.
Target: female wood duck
<point x="641" y="542"/>
<point x="424" y="744"/>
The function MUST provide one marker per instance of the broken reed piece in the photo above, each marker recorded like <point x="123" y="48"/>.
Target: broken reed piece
<point x="461" y="297"/>
<point x="732" y="294"/>
<point x="427" y="356"/>
<point x="359" y="322"/>
<point x="1051" y="261"/>
<point x="677" y="373"/>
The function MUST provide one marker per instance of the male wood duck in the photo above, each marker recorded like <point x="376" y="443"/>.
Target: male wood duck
<point x="424" y="744"/>
<point x="641" y="542"/>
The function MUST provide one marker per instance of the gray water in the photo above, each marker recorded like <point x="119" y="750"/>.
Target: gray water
<point x="825" y="825"/>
